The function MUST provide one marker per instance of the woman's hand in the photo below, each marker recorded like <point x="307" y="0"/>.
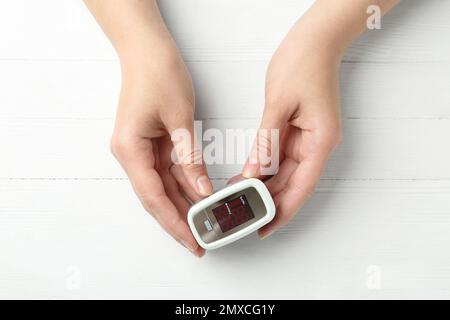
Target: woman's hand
<point x="156" y="108"/>
<point x="156" y="101"/>
<point x="302" y="102"/>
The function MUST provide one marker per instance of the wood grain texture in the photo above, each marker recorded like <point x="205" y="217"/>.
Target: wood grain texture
<point x="89" y="89"/>
<point x="381" y="211"/>
<point x="372" y="149"/>
<point x="47" y="228"/>
<point x="216" y="30"/>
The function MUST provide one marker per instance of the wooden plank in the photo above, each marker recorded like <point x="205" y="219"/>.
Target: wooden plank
<point x="215" y="30"/>
<point x="89" y="89"/>
<point x="389" y="149"/>
<point x="347" y="230"/>
<point x="59" y="89"/>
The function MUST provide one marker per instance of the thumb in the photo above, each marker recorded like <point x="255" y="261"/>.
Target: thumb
<point x="264" y="156"/>
<point x="188" y="154"/>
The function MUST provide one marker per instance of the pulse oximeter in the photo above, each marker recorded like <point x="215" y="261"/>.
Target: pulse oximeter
<point x="231" y="214"/>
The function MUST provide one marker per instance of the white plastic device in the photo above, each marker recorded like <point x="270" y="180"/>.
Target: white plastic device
<point x="231" y="213"/>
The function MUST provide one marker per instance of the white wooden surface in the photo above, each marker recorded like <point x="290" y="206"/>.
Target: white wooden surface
<point x="70" y="226"/>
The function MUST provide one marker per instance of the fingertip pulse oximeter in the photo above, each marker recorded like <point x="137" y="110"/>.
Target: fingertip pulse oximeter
<point x="231" y="214"/>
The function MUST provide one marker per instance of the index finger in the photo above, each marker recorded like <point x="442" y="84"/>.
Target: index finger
<point x="299" y="187"/>
<point x="139" y="163"/>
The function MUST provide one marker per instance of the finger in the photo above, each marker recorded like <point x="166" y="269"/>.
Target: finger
<point x="178" y="174"/>
<point x="181" y="203"/>
<point x="151" y="191"/>
<point x="172" y="188"/>
<point x="300" y="186"/>
<point x="174" y="193"/>
<point x="188" y="153"/>
<point x="279" y="181"/>
<point x="138" y="159"/>
<point x="264" y="156"/>
<point x="235" y="179"/>
<point x="168" y="166"/>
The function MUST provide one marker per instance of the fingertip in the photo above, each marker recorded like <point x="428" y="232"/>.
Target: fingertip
<point x="235" y="179"/>
<point x="266" y="235"/>
<point x="192" y="248"/>
<point x="266" y="231"/>
<point x="200" y="252"/>
<point x="250" y="170"/>
<point x="204" y="186"/>
<point x="189" y="243"/>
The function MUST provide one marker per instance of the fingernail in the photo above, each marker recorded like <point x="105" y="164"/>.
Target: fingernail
<point x="188" y="246"/>
<point x="204" y="186"/>
<point x="267" y="235"/>
<point x="250" y="170"/>
<point x="200" y="255"/>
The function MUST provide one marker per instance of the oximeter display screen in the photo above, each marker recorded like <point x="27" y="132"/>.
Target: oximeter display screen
<point x="233" y="213"/>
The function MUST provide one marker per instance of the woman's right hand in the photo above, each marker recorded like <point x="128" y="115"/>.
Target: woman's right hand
<point x="156" y="103"/>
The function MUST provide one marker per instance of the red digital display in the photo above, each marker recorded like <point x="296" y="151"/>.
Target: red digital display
<point x="233" y="213"/>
